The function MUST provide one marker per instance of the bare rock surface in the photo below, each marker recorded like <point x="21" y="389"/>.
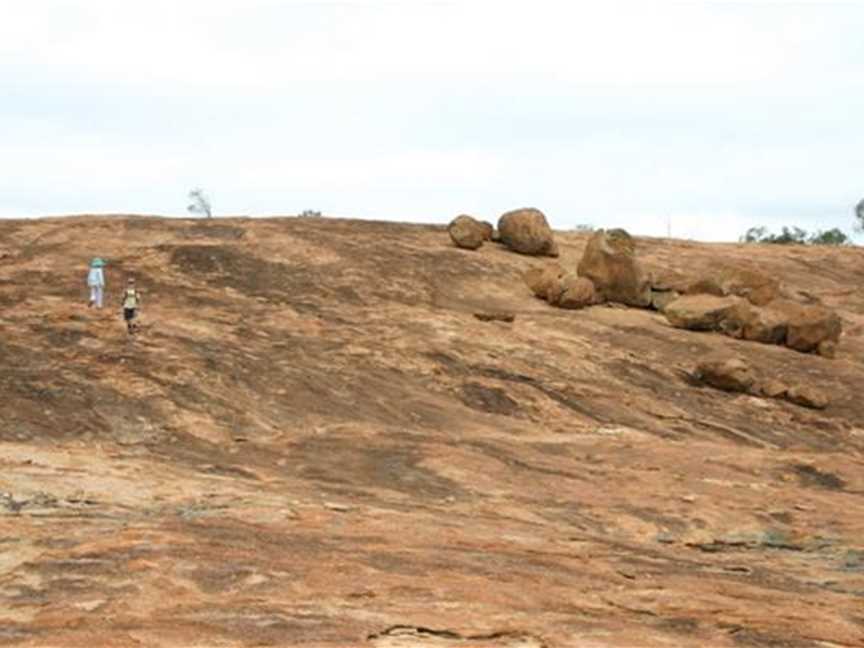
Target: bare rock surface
<point x="315" y="442"/>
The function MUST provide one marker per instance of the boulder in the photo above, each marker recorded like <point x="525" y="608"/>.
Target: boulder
<point x="666" y="279"/>
<point x="742" y="281"/>
<point x="809" y="328"/>
<point x="755" y="286"/>
<point x="576" y="292"/>
<point x="765" y="326"/>
<point x="700" y="312"/>
<point x="735" y="319"/>
<point x="467" y="232"/>
<point x="807" y="396"/>
<point x="727" y="373"/>
<point x="543" y="280"/>
<point x="609" y="262"/>
<point x="527" y="232"/>
<point x="488" y="230"/>
<point x="748" y="322"/>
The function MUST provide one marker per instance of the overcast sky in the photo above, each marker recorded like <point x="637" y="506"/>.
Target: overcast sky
<point x="713" y="117"/>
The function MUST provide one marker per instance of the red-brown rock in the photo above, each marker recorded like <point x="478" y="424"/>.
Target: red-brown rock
<point x="807" y="396"/>
<point x="544" y="280"/>
<point x="808" y="326"/>
<point x="576" y="292"/>
<point x="467" y="232"/>
<point x="743" y="281"/>
<point x="610" y="263"/>
<point x="526" y="231"/>
<point x="700" y="312"/>
<point x="726" y="372"/>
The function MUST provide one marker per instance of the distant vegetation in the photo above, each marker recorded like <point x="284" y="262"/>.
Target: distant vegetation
<point x="798" y="236"/>
<point x="795" y="236"/>
<point x="309" y="213"/>
<point x="200" y="203"/>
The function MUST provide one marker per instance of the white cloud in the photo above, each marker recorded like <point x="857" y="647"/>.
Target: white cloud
<point x="265" y="44"/>
<point x="597" y="112"/>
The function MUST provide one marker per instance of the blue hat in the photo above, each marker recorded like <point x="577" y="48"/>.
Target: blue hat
<point x="97" y="263"/>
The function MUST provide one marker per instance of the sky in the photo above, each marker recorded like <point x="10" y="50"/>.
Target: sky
<point x="691" y="118"/>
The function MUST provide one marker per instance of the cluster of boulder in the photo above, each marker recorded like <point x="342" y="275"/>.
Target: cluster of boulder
<point x="732" y="374"/>
<point x="737" y="301"/>
<point x="607" y="272"/>
<point x="761" y="315"/>
<point x="525" y="231"/>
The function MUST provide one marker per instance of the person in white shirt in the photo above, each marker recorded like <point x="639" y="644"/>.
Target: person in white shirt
<point x="96" y="282"/>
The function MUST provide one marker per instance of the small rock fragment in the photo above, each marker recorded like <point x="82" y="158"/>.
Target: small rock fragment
<point x="660" y="299"/>
<point x="727" y="373"/>
<point x="827" y="348"/>
<point x="339" y="508"/>
<point x="773" y="388"/>
<point x="495" y="317"/>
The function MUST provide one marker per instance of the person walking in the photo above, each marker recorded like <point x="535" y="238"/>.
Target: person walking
<point x="131" y="304"/>
<point x="96" y="282"/>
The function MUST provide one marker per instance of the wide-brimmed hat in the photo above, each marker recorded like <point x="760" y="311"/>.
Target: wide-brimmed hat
<point x="97" y="263"/>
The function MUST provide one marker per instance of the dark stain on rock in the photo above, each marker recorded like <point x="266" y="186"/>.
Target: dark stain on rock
<point x="815" y="478"/>
<point x="488" y="399"/>
<point x="353" y="461"/>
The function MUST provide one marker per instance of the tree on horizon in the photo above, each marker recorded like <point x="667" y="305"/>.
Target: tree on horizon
<point x="200" y="203"/>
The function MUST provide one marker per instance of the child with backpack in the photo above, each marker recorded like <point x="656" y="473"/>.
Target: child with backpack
<point x="131" y="304"/>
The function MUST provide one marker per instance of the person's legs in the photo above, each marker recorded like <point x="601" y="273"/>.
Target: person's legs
<point x="92" y="296"/>
<point x="129" y="316"/>
<point x="98" y="294"/>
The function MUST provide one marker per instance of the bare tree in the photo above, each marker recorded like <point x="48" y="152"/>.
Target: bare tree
<point x="200" y="203"/>
<point x="859" y="214"/>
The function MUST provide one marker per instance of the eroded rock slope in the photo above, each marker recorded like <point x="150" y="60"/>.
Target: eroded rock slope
<point x="315" y="442"/>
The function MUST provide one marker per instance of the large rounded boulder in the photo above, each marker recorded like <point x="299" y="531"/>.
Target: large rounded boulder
<point x="526" y="231"/>
<point x="468" y="233"/>
<point x="610" y="263"/>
